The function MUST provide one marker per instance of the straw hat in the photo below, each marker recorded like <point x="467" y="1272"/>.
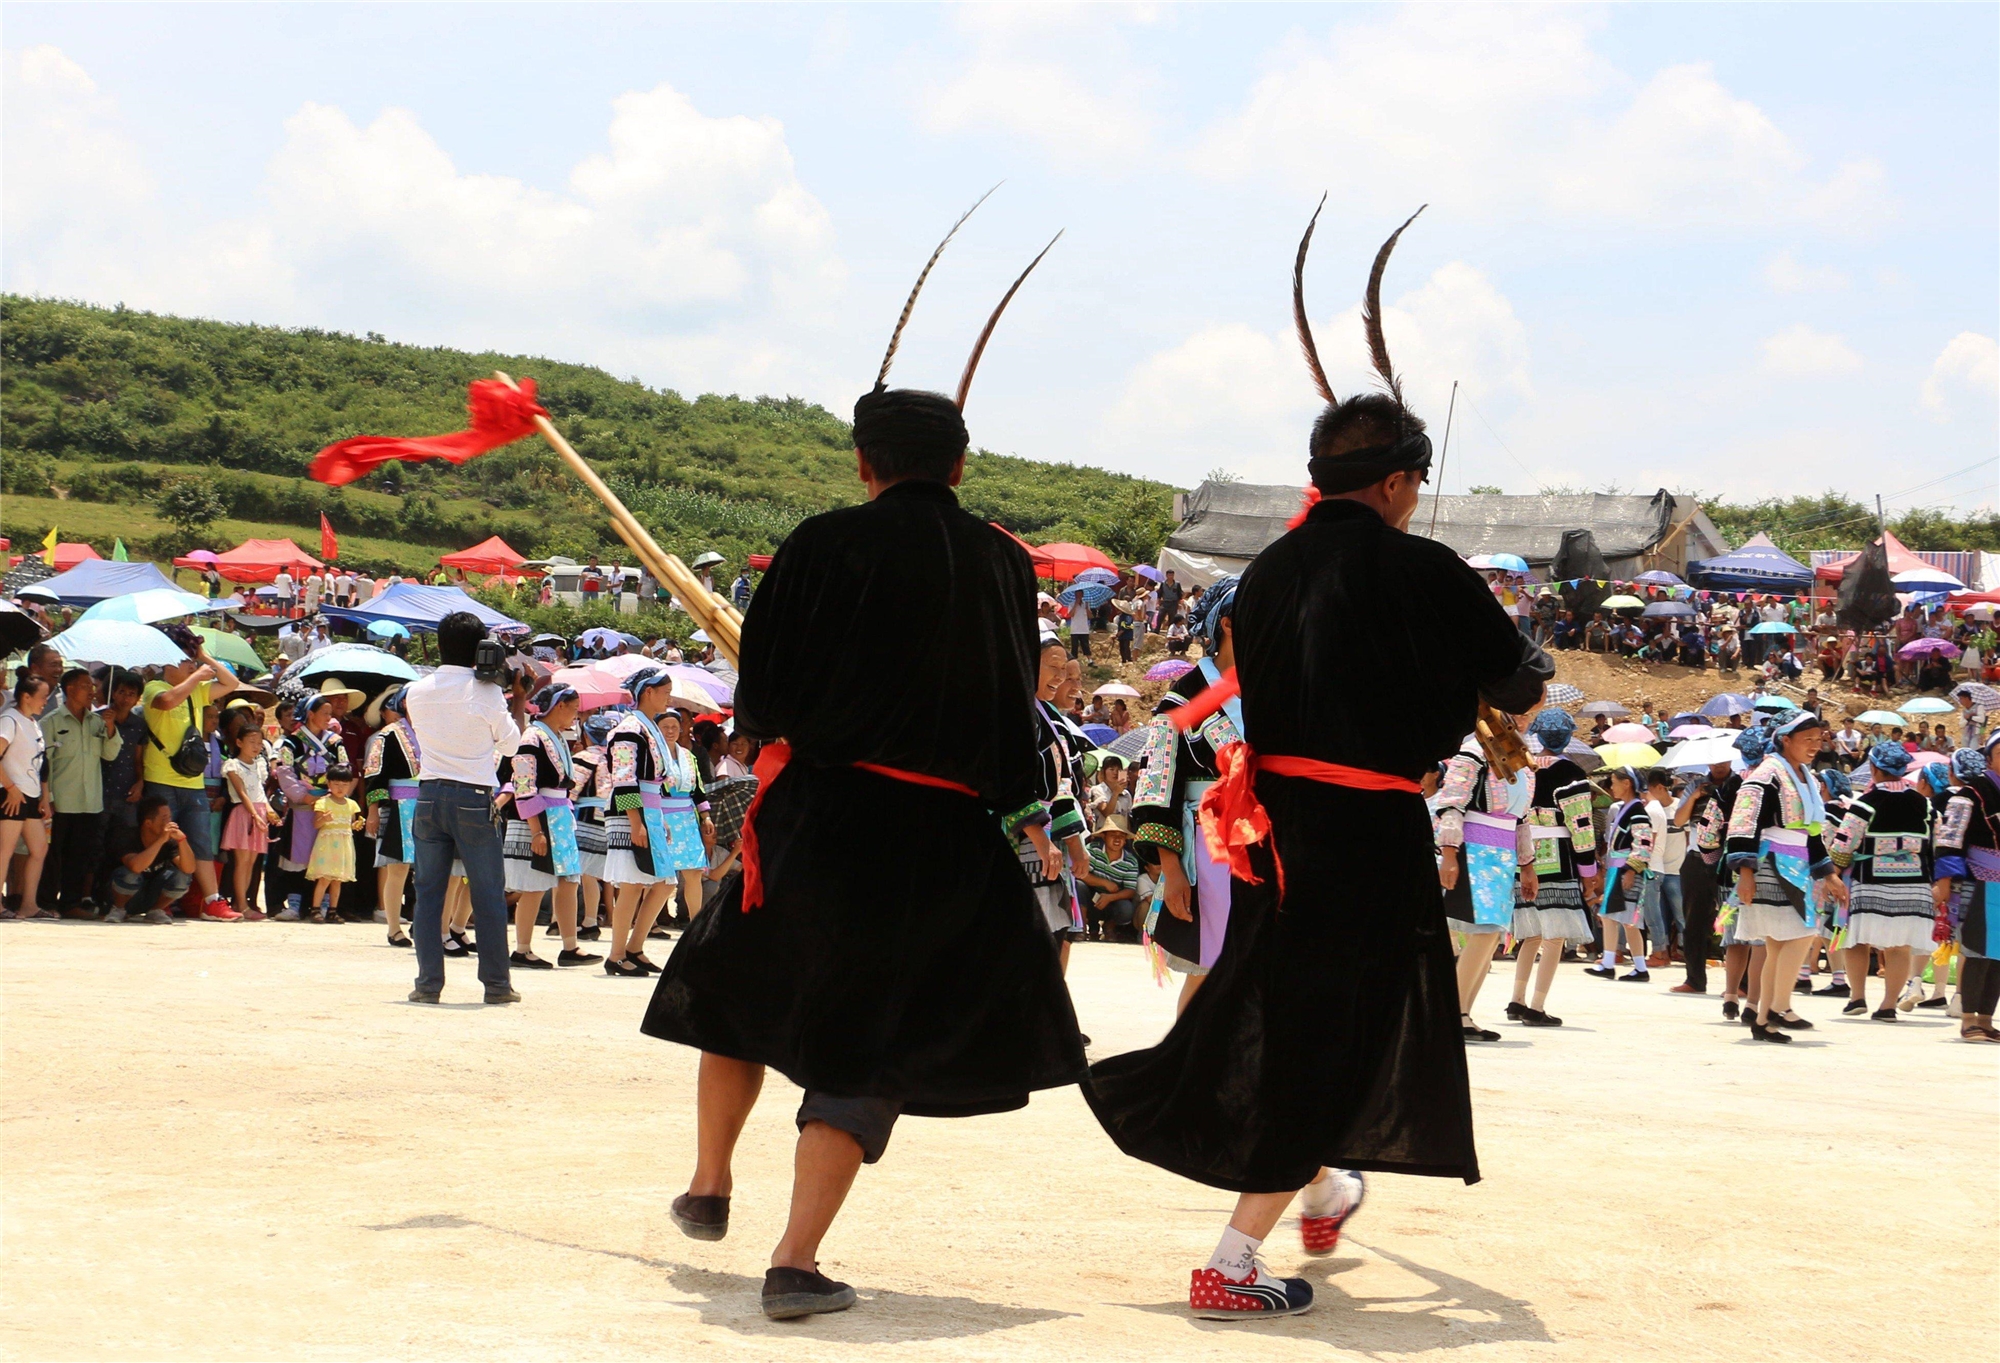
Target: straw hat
<point x="334" y="686"/>
<point x="1114" y="823"/>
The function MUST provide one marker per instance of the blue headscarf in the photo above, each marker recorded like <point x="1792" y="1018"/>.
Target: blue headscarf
<point x="1967" y="763"/>
<point x="1837" y="782"/>
<point x="1754" y="743"/>
<point x="1936" y="769"/>
<point x="1889" y="758"/>
<point x="1554" y="727"/>
<point x="552" y="695"/>
<point x="646" y="680"/>
<point x="1216" y="605"/>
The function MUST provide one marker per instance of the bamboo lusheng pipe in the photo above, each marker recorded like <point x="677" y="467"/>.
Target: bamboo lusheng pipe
<point x="721" y="621"/>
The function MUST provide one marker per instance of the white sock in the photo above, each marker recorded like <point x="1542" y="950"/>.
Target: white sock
<point x="1236" y="1255"/>
<point x="1610" y="961"/>
<point x="1334" y="1195"/>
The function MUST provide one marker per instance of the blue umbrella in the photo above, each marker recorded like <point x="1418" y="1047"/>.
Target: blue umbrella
<point x="1728" y="703"/>
<point x="1774" y="627"/>
<point x="341" y="659"/>
<point x="150" y="606"/>
<point x="1094" y="594"/>
<point x="1774" y="703"/>
<point x="1659" y="577"/>
<point x="1512" y="563"/>
<point x="1103" y="577"/>
<point x="387" y="629"/>
<point x="1662" y="609"/>
<point x="121" y="643"/>
<point x="1100" y="734"/>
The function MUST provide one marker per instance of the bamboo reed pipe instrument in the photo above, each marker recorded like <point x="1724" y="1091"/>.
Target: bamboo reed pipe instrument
<point x="1501" y="741"/>
<point x="720" y="620"/>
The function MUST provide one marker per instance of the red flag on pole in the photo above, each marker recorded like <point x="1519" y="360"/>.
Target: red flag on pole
<point x="329" y="547"/>
<point x="500" y="416"/>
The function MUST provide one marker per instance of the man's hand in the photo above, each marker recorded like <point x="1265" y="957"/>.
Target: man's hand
<point x="136" y="794"/>
<point x="1174" y="886"/>
<point x="1448" y="869"/>
<point x="174" y="832"/>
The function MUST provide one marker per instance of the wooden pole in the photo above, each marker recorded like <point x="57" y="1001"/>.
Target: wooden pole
<point x="722" y="622"/>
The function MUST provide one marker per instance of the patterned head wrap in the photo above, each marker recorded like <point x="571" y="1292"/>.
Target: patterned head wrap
<point x="552" y="695"/>
<point x="643" y="681"/>
<point x="1218" y="605"/>
<point x="1804" y="719"/>
<point x="394" y="700"/>
<point x="1837" y="782"/>
<point x="1891" y="759"/>
<point x="1935" y="768"/>
<point x="1554" y="727"/>
<point x="1754" y="743"/>
<point x="1967" y="763"/>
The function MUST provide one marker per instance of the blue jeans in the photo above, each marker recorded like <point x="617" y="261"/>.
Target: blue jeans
<point x="1661" y="901"/>
<point x="455" y="821"/>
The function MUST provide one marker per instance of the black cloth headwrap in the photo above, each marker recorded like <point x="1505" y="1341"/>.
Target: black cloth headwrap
<point x="1360" y="468"/>
<point x="905" y="424"/>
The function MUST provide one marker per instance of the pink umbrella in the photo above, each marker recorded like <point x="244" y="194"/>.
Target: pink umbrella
<point x="595" y="688"/>
<point x="1919" y="647"/>
<point x="1170" y="670"/>
<point x="625" y="664"/>
<point x="1688" y="731"/>
<point x="1628" y="733"/>
<point x="702" y="681"/>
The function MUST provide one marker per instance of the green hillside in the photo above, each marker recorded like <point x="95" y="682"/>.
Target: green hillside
<point x="104" y="411"/>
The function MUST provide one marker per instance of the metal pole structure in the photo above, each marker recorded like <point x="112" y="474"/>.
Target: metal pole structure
<point x="1443" y="454"/>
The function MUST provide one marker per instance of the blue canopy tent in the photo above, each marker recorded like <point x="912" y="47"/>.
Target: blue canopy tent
<point x="418" y="609"/>
<point x="100" y="579"/>
<point x="1759" y="566"/>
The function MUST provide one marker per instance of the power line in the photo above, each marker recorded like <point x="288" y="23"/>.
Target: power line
<point x="1496" y="435"/>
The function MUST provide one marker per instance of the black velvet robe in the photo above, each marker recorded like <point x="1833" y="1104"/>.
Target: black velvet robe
<point x="1328" y="1032"/>
<point x="898" y="952"/>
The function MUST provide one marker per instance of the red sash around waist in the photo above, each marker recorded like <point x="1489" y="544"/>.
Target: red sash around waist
<point x="1233" y="819"/>
<point x="772" y="761"/>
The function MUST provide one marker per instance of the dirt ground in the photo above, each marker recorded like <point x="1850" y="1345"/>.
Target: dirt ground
<point x="240" y="1142"/>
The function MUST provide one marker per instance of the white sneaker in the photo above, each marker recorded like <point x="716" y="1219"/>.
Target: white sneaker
<point x="288" y="914"/>
<point x="158" y="917"/>
<point x="114" y="914"/>
<point x="381" y="917"/>
<point x="1955" y="1008"/>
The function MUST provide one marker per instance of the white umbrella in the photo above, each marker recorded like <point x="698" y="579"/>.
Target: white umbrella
<point x="121" y="643"/>
<point x="1700" y="753"/>
<point x="149" y="607"/>
<point x="1119" y="689"/>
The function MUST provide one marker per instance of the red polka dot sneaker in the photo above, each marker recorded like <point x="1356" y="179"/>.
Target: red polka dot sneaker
<point x="1214" y="1295"/>
<point x="1321" y="1234"/>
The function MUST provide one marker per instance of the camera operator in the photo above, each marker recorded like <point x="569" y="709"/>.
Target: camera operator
<point x="463" y="729"/>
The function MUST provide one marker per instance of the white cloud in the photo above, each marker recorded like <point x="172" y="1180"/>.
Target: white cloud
<point x="1785" y="274"/>
<point x="1244" y="398"/>
<point x="1969" y="361"/>
<point x="1801" y="352"/>
<point x="1511" y="111"/>
<point x="667" y="252"/>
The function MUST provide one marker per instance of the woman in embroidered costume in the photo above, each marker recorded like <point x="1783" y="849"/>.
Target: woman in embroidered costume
<point x="300" y="767"/>
<point x="1742" y="958"/>
<point x="1884" y="844"/>
<point x="590" y="791"/>
<point x="1939" y="779"/>
<point x="1628" y="852"/>
<point x="541" y="848"/>
<point x="1048" y="835"/>
<point x="1486" y="849"/>
<point x="1704" y="810"/>
<point x="650" y="830"/>
<point x="391" y="766"/>
<point x="1189" y="916"/>
<point x="1565" y="846"/>
<point x="1784" y="878"/>
<point x="1326" y="1035"/>
<point x="1968" y="855"/>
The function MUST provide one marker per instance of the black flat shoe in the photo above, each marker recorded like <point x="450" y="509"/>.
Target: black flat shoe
<point x="793" y="1292"/>
<point x="1514" y="1010"/>
<point x="701" y="1218"/>
<point x="589" y="934"/>
<point x="1729" y="1010"/>
<point x="1602" y="972"/>
<point x="1832" y="991"/>
<point x="1474" y="1032"/>
<point x="527" y="960"/>
<point x="1760" y="1032"/>
<point x="645" y="966"/>
<point x="1635" y="977"/>
<point x="398" y="940"/>
<point x="1791" y="1022"/>
<point x="568" y="957"/>
<point x="1854" y="1006"/>
<point x="624" y="969"/>
<point x="1535" y="1017"/>
<point x="1932" y="1003"/>
<point x="456" y="945"/>
<point x="553" y="931"/>
<point x="660" y="933"/>
<point x="1884" y="1014"/>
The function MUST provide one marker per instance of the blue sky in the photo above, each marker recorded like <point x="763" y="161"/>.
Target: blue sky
<point x="1741" y="249"/>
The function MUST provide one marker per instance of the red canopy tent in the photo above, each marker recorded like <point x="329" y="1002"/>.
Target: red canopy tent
<point x="1063" y="561"/>
<point x="70" y="553"/>
<point x="491" y="556"/>
<point x="258" y="561"/>
<point x="1901" y="560"/>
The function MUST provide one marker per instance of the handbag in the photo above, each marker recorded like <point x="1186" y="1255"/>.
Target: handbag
<point x="191" y="758"/>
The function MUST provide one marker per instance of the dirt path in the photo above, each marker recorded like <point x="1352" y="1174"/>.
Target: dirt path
<point x="239" y="1142"/>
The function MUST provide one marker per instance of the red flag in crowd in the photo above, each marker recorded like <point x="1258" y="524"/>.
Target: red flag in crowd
<point x="329" y="547"/>
<point x="500" y="416"/>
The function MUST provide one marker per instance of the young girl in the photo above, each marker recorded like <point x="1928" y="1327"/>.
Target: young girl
<point x="336" y="816"/>
<point x="251" y="818"/>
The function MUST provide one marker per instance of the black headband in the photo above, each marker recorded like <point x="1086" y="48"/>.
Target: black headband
<point x="1357" y="469"/>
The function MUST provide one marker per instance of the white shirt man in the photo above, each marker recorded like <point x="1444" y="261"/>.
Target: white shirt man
<point x="286" y="589"/>
<point x="462" y="726"/>
<point x="343" y="589"/>
<point x="315" y="585"/>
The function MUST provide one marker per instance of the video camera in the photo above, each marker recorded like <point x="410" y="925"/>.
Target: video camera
<point x="489" y="661"/>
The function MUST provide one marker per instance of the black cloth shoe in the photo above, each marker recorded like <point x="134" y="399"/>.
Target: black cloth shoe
<point x="1932" y="1003"/>
<point x="643" y="966"/>
<point x="1853" y="1007"/>
<point x="1602" y="972"/>
<point x="553" y="931"/>
<point x="1832" y="991"/>
<point x="1884" y="1014"/>
<point x="1635" y="976"/>
<point x="1729" y="1010"/>
<point x="1762" y="1033"/>
<point x="1535" y="1017"/>
<point x="456" y="945"/>
<point x="1514" y="1010"/>
<point x="793" y="1292"/>
<point x="589" y="934"/>
<point x="422" y="996"/>
<point x="568" y="957"/>
<point x="502" y="996"/>
<point x="1791" y="1022"/>
<point x="1474" y="1032"/>
<point x="524" y="960"/>
<point x="624" y="969"/>
<point x="701" y="1218"/>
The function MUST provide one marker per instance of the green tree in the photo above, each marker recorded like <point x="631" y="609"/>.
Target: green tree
<point x="1483" y="490"/>
<point x="191" y="505"/>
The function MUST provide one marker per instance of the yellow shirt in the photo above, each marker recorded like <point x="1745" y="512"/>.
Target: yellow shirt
<point x="170" y="727"/>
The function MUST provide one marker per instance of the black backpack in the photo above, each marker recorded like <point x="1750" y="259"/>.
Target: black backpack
<point x="191" y="758"/>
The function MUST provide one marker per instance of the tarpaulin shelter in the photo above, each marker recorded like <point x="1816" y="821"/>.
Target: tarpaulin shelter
<point x="258" y="561"/>
<point x="1759" y="566"/>
<point x="490" y="556"/>
<point x="100" y="579"/>
<point x="418" y="609"/>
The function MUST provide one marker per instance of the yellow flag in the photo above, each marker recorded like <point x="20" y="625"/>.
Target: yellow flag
<point x="49" y="548"/>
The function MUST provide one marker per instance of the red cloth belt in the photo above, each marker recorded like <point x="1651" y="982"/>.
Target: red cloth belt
<point x="772" y="761"/>
<point x="1233" y="819"/>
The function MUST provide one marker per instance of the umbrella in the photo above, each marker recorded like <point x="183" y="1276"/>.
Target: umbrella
<point x="1927" y="705"/>
<point x="1578" y="752"/>
<point x="220" y="644"/>
<point x="38" y="593"/>
<point x="1981" y="694"/>
<point x="624" y="666"/>
<point x="1149" y="572"/>
<point x="685" y="697"/>
<point x="199" y="556"/>
<point x="1092" y="594"/>
<point x="1562" y="693"/>
<point x="1686" y="717"/>
<point x="1100" y="734"/>
<point x="121" y="643"/>
<point x="1885" y="717"/>
<point x="1131" y="744"/>
<point x="1629" y="733"/>
<point x="1609" y="708"/>
<point x="149" y="607"/>
<point x="700" y="636"/>
<point x="702" y="680"/>
<point x="19" y="630"/>
<point x="1684" y="731"/>
<point x="555" y="639"/>
<point x="1116" y="689"/>
<point x="1659" y="577"/>
<point x="1511" y="563"/>
<point x="706" y="559"/>
<point x="1663" y="609"/>
<point x="387" y="629"/>
<point x="349" y="661"/>
<point x="1621" y="603"/>
<point x="533" y="668"/>
<point x="1701" y="753"/>
<point x="595" y="688"/>
<point x="1774" y="703"/>
<point x="1104" y="577"/>
<point x="1173" y="669"/>
<point x="1629" y="755"/>
<point x="1726" y="704"/>
<point x="591" y="638"/>
<point x="1917" y="648"/>
<point x="1774" y="627"/>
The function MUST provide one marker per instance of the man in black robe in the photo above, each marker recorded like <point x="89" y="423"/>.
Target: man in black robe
<point x="1327" y="1035"/>
<point x="882" y="948"/>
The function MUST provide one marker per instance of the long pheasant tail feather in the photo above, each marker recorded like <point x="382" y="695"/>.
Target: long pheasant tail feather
<point x="1299" y="311"/>
<point x="1371" y="313"/>
<point x="979" y="346"/>
<point x="896" y="336"/>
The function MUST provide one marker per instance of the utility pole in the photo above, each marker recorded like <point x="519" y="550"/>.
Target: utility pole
<point x="1438" y="496"/>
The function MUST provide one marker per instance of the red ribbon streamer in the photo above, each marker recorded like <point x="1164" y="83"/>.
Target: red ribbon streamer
<point x="773" y="760"/>
<point x="500" y="416"/>
<point x="1233" y="819"/>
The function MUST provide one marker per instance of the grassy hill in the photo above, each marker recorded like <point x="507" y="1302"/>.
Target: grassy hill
<point x="102" y="409"/>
